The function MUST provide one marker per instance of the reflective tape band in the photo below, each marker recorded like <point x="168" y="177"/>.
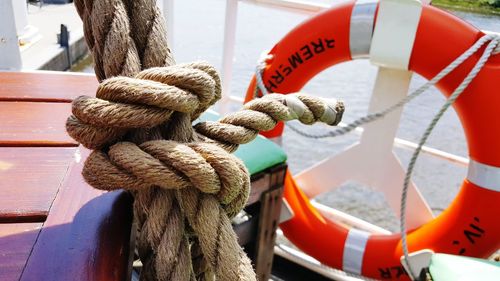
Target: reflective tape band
<point x="485" y="176"/>
<point x="354" y="250"/>
<point x="361" y="28"/>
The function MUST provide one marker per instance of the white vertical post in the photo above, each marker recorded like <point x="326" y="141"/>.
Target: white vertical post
<point x="228" y="53"/>
<point x="26" y="34"/>
<point x="168" y="12"/>
<point x="20" y="15"/>
<point x="159" y="4"/>
<point x="10" y="54"/>
<point x="167" y="8"/>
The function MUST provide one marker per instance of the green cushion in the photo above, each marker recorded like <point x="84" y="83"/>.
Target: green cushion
<point x="448" y="267"/>
<point x="257" y="155"/>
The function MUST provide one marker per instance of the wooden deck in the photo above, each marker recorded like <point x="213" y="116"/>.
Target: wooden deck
<point x="53" y="226"/>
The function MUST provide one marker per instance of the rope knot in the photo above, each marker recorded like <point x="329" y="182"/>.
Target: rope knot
<point x="184" y="234"/>
<point x="140" y="128"/>
<point x="146" y="100"/>
<point x="171" y="165"/>
<point x="263" y="114"/>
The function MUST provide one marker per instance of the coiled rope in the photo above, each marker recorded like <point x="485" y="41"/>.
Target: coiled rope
<point x="492" y="48"/>
<point x="186" y="184"/>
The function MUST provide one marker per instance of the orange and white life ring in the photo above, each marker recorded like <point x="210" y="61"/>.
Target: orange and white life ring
<point x="470" y="225"/>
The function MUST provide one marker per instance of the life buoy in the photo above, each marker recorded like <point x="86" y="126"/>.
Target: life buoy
<point x="470" y="225"/>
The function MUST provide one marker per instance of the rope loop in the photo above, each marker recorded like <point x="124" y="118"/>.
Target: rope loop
<point x="171" y="165"/>
<point x="149" y="99"/>
<point x="144" y="101"/>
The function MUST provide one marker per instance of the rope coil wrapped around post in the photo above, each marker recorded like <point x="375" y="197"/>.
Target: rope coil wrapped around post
<point x="186" y="184"/>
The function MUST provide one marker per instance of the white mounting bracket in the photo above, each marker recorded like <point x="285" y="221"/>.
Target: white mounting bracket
<point x="418" y="260"/>
<point x="394" y="34"/>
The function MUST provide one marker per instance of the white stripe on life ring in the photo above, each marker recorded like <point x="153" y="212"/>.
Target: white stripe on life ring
<point x="483" y="175"/>
<point x="354" y="250"/>
<point x="361" y="28"/>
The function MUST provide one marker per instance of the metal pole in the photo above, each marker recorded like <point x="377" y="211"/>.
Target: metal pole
<point x="20" y="15"/>
<point x="167" y="8"/>
<point x="228" y="53"/>
<point x="10" y="54"/>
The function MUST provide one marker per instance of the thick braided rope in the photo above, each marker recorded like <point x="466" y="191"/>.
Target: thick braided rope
<point x="149" y="36"/>
<point x="204" y="166"/>
<point x="162" y="244"/>
<point x="144" y="101"/>
<point x="172" y="165"/>
<point x="128" y="34"/>
<point x="149" y="33"/>
<point x="263" y="115"/>
<point x="167" y="165"/>
<point x="107" y="31"/>
<point x="99" y="123"/>
<point x="157" y="54"/>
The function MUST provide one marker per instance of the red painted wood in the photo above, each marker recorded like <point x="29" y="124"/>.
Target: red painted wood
<point x="30" y="178"/>
<point x="34" y="124"/>
<point x="45" y="86"/>
<point x="86" y="235"/>
<point x="16" y="242"/>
